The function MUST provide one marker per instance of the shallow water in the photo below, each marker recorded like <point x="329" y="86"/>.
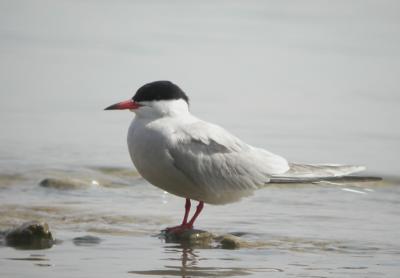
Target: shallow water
<point x="297" y="230"/>
<point x="307" y="230"/>
<point x="313" y="81"/>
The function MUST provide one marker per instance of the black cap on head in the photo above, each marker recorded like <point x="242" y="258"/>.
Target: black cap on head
<point x="159" y="90"/>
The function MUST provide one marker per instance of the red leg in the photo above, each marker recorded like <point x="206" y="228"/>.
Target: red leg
<point x="184" y="224"/>
<point x="199" y="208"/>
<point x="187" y="209"/>
<point x="187" y="225"/>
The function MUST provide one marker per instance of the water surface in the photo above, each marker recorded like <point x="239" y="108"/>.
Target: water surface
<point x="313" y="81"/>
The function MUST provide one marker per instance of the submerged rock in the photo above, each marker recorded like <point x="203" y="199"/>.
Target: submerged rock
<point x="196" y="238"/>
<point x="63" y="183"/>
<point x="86" y="240"/>
<point x="30" y="235"/>
<point x="229" y="241"/>
<point x="190" y="237"/>
<point x="116" y="171"/>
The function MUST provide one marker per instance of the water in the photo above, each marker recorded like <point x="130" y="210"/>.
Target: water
<point x="313" y="81"/>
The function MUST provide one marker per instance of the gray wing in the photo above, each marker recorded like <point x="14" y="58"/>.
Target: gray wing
<point x="223" y="166"/>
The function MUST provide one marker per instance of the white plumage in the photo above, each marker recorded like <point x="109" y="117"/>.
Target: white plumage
<point x="194" y="159"/>
<point x="191" y="158"/>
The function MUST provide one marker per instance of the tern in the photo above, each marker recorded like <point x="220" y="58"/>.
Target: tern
<point x="191" y="158"/>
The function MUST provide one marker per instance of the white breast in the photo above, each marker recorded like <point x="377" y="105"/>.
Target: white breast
<point x="147" y="147"/>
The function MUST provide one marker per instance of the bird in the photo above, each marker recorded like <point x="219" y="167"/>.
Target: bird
<point x="197" y="160"/>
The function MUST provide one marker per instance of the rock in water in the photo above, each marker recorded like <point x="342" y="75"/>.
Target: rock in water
<point x="86" y="240"/>
<point x="64" y="183"/>
<point x="232" y="242"/>
<point x="30" y="235"/>
<point x="190" y="237"/>
<point x="204" y="239"/>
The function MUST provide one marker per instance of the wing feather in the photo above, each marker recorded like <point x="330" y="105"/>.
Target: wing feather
<point x="221" y="164"/>
<point x="315" y="172"/>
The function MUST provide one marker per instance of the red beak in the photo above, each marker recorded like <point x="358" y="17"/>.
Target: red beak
<point x="127" y="104"/>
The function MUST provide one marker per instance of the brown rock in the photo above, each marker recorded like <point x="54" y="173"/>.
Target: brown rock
<point x="30" y="235"/>
<point x="64" y="183"/>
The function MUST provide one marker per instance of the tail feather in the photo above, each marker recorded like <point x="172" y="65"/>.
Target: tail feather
<point x="315" y="172"/>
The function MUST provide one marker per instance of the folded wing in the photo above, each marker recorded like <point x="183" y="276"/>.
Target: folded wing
<point x="221" y="164"/>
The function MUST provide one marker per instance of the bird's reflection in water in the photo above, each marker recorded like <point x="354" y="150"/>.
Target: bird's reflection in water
<point x="194" y="258"/>
<point x="190" y="258"/>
